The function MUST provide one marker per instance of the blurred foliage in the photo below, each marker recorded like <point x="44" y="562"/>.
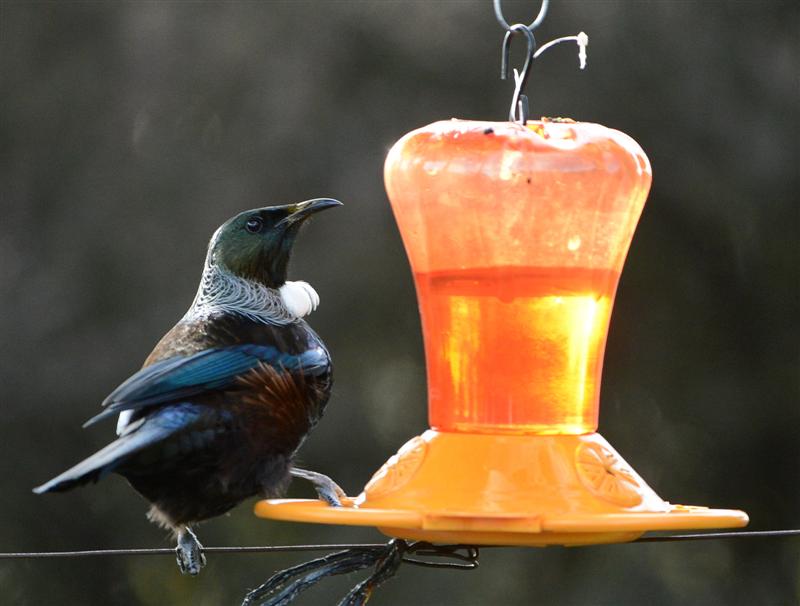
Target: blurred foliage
<point x="129" y="131"/>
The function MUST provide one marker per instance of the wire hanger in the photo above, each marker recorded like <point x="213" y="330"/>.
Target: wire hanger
<point x="520" y="110"/>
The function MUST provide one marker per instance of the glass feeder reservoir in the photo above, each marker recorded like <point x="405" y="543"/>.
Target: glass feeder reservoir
<point x="516" y="235"/>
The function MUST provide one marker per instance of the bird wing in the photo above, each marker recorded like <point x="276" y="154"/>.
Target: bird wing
<point x="180" y="377"/>
<point x="157" y="428"/>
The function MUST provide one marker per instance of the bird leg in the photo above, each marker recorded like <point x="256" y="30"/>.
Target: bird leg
<point x="189" y="552"/>
<point x="327" y="490"/>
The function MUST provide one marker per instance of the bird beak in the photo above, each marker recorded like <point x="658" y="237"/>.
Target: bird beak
<point x="303" y="210"/>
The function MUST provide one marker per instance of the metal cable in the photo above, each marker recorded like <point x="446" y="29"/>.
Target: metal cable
<point x="171" y="551"/>
<point x="708" y="536"/>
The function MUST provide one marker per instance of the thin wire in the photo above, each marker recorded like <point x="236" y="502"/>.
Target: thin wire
<point x="755" y="534"/>
<point x="582" y="39"/>
<point x="708" y="536"/>
<point x="171" y="551"/>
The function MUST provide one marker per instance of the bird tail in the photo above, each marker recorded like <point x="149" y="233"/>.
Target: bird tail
<point x="106" y="460"/>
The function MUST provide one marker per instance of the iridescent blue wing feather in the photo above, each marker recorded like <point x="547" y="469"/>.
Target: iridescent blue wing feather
<point x="185" y="376"/>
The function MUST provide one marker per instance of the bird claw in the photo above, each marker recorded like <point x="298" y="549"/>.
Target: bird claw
<point x="333" y="496"/>
<point x="327" y="490"/>
<point x="189" y="553"/>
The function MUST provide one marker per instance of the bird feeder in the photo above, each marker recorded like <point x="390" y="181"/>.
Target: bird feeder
<point x="516" y="235"/>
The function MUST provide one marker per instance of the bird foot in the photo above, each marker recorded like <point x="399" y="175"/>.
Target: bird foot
<point x="189" y="553"/>
<point x="327" y="490"/>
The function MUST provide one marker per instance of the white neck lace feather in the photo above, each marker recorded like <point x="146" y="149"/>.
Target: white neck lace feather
<point x="222" y="292"/>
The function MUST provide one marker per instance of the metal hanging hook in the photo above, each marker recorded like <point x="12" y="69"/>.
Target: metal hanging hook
<point x="520" y="110"/>
<point x="519" y="103"/>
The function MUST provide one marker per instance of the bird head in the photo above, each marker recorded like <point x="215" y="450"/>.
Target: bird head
<point x="256" y="244"/>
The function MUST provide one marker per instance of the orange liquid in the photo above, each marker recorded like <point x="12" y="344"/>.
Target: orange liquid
<point x="515" y="349"/>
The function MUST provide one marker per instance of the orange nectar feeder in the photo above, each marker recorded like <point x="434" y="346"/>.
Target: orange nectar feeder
<point x="516" y="237"/>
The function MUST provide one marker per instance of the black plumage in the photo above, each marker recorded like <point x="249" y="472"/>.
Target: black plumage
<point x="227" y="396"/>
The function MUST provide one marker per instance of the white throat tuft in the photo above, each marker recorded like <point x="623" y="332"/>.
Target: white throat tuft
<point x="299" y="298"/>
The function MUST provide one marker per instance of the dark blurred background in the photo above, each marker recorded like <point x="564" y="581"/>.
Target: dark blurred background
<point x="129" y="131"/>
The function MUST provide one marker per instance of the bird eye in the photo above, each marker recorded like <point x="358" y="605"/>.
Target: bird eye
<point x="254" y="225"/>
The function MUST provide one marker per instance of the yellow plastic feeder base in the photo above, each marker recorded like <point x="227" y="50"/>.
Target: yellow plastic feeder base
<point x="485" y="489"/>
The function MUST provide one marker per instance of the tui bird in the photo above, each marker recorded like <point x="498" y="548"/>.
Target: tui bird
<point x="228" y="395"/>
